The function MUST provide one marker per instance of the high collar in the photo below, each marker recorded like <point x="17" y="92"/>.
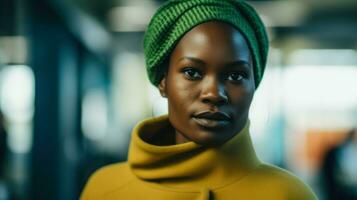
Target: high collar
<point x="189" y="164"/>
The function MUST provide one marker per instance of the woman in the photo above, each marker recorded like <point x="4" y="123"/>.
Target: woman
<point x="207" y="57"/>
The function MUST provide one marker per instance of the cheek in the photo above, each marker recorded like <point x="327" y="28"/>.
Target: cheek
<point x="241" y="97"/>
<point x="181" y="94"/>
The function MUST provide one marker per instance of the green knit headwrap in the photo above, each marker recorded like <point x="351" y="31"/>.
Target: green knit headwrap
<point x="177" y="17"/>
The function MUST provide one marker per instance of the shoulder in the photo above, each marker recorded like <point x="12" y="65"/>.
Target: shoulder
<point x="105" y="180"/>
<point x="275" y="177"/>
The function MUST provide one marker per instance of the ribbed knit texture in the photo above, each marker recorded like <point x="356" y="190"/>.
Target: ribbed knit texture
<point x="177" y="17"/>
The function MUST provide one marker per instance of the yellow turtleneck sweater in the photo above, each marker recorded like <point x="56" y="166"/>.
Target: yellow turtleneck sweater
<point x="191" y="171"/>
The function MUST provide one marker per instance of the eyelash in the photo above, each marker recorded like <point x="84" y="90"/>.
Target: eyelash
<point x="241" y="75"/>
<point x="187" y="70"/>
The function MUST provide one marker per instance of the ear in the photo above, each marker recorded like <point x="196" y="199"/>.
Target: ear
<point x="162" y="86"/>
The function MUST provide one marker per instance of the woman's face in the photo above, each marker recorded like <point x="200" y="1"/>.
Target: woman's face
<point x="209" y="84"/>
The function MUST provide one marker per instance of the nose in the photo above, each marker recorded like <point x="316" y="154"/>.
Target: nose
<point x="213" y="92"/>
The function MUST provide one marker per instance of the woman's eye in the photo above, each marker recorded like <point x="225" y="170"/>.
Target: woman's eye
<point x="192" y="73"/>
<point x="235" y="76"/>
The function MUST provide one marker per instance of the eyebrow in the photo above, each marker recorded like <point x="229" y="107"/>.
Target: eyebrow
<point x="234" y="63"/>
<point x="193" y="59"/>
<point x="241" y="63"/>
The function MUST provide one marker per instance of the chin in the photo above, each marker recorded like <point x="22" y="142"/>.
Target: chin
<point x="210" y="138"/>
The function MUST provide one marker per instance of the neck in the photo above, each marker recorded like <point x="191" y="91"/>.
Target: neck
<point x="180" y="138"/>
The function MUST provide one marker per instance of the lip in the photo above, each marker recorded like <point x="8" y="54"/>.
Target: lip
<point x="210" y="119"/>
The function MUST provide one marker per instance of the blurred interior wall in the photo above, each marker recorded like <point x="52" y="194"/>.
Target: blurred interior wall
<point x="7" y="17"/>
<point x="56" y="120"/>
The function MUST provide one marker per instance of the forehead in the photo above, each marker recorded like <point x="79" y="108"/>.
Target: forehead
<point x="213" y="40"/>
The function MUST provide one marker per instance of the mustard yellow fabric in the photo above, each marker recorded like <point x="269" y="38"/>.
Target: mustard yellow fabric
<point x="190" y="171"/>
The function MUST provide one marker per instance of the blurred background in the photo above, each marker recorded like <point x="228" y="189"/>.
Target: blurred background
<point x="73" y="85"/>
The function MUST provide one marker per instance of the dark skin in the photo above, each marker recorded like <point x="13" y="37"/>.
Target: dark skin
<point x="210" y="72"/>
